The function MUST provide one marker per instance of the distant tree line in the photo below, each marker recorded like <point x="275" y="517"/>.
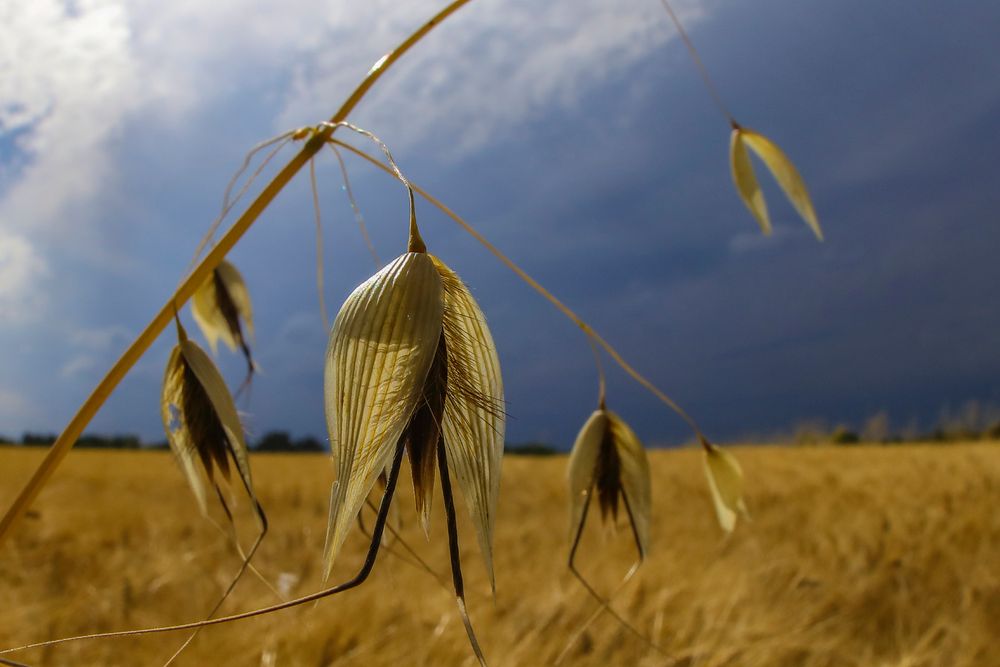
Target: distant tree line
<point x="272" y="441"/>
<point x="88" y="440"/>
<point x="530" y="449"/>
<point x="972" y="420"/>
<point x="281" y="441"/>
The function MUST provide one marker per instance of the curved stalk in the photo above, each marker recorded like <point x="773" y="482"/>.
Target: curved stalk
<point x="57" y="452"/>
<point x="354" y="582"/>
<point x="262" y="519"/>
<point x="604" y="604"/>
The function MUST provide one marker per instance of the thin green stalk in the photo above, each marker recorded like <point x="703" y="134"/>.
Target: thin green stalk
<point x="57" y="452"/>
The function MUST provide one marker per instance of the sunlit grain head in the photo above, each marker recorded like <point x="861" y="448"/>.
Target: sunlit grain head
<point x="609" y="461"/>
<point x="221" y="307"/>
<point x="725" y="479"/>
<point x="411" y="362"/>
<point x="200" y="419"/>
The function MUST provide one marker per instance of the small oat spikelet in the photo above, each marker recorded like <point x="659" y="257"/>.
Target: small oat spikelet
<point x="609" y="460"/>
<point x="725" y="480"/>
<point x="411" y="362"/>
<point x="781" y="168"/>
<point x="200" y="419"/>
<point x="218" y="307"/>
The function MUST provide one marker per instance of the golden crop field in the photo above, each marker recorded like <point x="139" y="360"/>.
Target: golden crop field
<point x="854" y="556"/>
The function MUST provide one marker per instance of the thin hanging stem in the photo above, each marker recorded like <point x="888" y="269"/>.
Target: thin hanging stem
<point x="232" y="537"/>
<point x="355" y="208"/>
<point x="358" y="579"/>
<point x="319" y="245"/>
<point x="57" y="452"/>
<point x="702" y="70"/>
<point x="417" y="561"/>
<point x="605" y="603"/>
<point x="601" y="383"/>
<point x="416" y="243"/>
<point x="535" y="285"/>
<point x="456" y="561"/>
<point x="239" y="574"/>
<point x="11" y="663"/>
<point x="228" y="202"/>
<point x="601" y="608"/>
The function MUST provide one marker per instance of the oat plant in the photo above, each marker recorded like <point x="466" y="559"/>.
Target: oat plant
<point x="411" y="369"/>
<point x="206" y="436"/>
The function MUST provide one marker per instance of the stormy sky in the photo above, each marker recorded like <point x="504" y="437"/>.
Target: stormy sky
<point x="576" y="136"/>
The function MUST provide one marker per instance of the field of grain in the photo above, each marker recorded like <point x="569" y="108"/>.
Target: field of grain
<point x="855" y="556"/>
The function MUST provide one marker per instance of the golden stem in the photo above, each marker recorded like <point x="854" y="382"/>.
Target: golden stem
<point x="57" y="452"/>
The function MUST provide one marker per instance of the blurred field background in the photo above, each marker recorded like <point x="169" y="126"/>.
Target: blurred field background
<point x="860" y="555"/>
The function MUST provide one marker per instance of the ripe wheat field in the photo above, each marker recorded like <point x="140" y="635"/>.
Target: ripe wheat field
<point x="854" y="556"/>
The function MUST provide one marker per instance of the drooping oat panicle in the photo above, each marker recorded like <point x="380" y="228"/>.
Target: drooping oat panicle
<point x="380" y="352"/>
<point x="201" y="422"/>
<point x="781" y="168"/>
<point x="725" y="480"/>
<point x="411" y="366"/>
<point x="412" y="361"/>
<point x="200" y="419"/>
<point x="609" y="460"/>
<point x="222" y="309"/>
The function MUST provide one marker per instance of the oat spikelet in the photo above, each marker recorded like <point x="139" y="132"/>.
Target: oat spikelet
<point x="725" y="480"/>
<point x="222" y="309"/>
<point x="200" y="419"/>
<point x="781" y="168"/>
<point x="380" y="352"/>
<point x="608" y="459"/>
<point x="412" y="361"/>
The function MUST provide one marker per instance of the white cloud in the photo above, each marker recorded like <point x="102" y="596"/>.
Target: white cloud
<point x="22" y="275"/>
<point x="66" y="80"/>
<point x="78" y="366"/>
<point x="100" y="339"/>
<point x="492" y="65"/>
<point x="75" y="77"/>
<point x="93" y="348"/>
<point x="15" y="409"/>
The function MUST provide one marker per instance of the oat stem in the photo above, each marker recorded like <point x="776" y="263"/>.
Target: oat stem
<point x="262" y="519"/>
<point x="456" y="560"/>
<point x="416" y="561"/>
<point x="355" y="208"/>
<point x="357" y="580"/>
<point x="57" y="452"/>
<point x="319" y="246"/>
<point x="699" y="65"/>
<point x="228" y="200"/>
<point x="604" y="604"/>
